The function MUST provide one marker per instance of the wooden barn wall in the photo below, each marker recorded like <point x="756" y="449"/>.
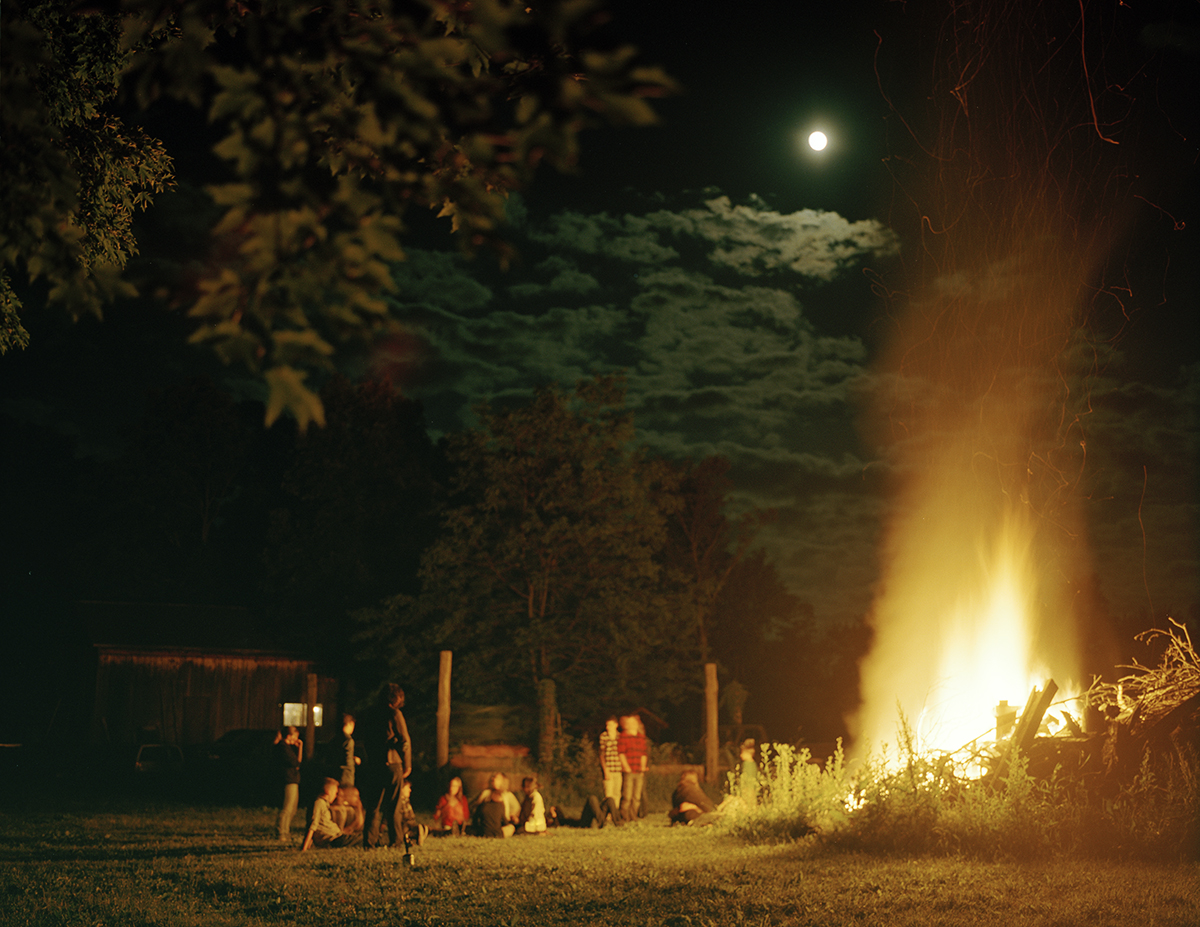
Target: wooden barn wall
<point x="190" y="699"/>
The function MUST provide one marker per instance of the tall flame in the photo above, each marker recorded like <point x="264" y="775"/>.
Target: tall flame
<point x="978" y="405"/>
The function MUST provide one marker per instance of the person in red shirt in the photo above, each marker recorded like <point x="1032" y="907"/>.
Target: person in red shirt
<point x="452" y="812"/>
<point x="633" y="750"/>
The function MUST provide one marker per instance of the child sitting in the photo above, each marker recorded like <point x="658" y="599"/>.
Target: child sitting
<point x="452" y="812"/>
<point x="323" y="831"/>
<point x="494" y="820"/>
<point x="348" y="811"/>
<point x="533" y="809"/>
<point x="406" y="819"/>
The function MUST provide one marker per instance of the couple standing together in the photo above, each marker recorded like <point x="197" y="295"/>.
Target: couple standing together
<point x="624" y="756"/>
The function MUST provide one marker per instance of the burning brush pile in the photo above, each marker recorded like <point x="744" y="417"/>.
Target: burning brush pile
<point x="1152" y="715"/>
<point x="1126" y="786"/>
<point x="1147" y="723"/>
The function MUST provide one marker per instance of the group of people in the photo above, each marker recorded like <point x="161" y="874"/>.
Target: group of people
<point x="624" y="759"/>
<point x="366" y="799"/>
<point x="495" y="812"/>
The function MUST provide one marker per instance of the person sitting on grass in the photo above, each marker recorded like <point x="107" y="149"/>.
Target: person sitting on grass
<point x="324" y="832"/>
<point x="498" y="782"/>
<point x="406" y="819"/>
<point x="348" y="811"/>
<point x="689" y="804"/>
<point x="493" y="818"/>
<point x="452" y="813"/>
<point x="533" y="809"/>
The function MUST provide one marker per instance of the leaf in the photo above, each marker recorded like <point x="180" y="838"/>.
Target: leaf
<point x="286" y="392"/>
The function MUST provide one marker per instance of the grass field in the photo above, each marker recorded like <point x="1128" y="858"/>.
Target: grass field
<point x="177" y="865"/>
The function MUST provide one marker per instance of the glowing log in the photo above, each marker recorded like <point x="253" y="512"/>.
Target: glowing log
<point x="1027" y="727"/>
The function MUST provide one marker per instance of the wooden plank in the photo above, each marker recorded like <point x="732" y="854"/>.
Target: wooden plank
<point x="1022" y="739"/>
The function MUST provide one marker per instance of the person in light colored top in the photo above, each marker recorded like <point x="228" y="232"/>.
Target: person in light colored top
<point x="533" y="809"/>
<point x="324" y="831"/>
<point x="499" y="783"/>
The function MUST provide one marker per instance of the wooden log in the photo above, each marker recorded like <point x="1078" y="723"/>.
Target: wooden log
<point x="443" y="709"/>
<point x="1031" y="718"/>
<point x="1027" y="727"/>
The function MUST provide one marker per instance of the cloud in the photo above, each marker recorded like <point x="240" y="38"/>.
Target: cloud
<point x="701" y="309"/>
<point x="752" y="240"/>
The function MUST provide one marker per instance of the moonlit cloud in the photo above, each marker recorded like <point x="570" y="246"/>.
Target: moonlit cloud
<point x="752" y="240"/>
<point x="701" y="309"/>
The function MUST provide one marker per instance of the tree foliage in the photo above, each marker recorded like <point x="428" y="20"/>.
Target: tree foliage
<point x="74" y="173"/>
<point x="547" y="567"/>
<point x="333" y="118"/>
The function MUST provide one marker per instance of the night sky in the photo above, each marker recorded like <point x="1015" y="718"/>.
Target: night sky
<point x="738" y="279"/>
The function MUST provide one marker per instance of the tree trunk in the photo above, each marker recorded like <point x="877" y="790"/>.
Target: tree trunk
<point x="547" y="721"/>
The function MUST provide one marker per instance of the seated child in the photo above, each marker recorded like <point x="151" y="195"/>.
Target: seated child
<point x="323" y="832"/>
<point x="348" y="811"/>
<point x="533" y="809"/>
<point x="406" y="818"/>
<point x="452" y="812"/>
<point x="493" y="817"/>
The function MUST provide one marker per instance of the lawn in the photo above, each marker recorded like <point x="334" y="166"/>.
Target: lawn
<point x="170" y="864"/>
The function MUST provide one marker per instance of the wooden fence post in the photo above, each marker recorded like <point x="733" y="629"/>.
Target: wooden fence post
<point x="711" y="736"/>
<point x="310" y="728"/>
<point x="443" y="709"/>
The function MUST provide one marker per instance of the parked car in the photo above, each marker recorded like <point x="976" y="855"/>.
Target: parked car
<point x="242" y="765"/>
<point x="157" y="761"/>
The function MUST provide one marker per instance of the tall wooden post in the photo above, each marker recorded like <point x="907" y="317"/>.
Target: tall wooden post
<point x="711" y="736"/>
<point x="310" y="705"/>
<point x="443" y="709"/>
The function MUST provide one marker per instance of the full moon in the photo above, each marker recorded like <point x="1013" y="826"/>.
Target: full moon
<point x="817" y="141"/>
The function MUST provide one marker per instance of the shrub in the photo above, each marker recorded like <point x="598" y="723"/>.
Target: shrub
<point x="796" y="797"/>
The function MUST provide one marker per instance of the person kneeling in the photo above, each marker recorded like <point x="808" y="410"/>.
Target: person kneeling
<point x="324" y="831"/>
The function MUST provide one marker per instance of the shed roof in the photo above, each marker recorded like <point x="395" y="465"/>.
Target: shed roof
<point x="176" y="627"/>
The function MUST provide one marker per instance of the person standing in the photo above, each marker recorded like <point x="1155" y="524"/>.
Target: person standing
<point x="388" y="762"/>
<point x="348" y="758"/>
<point x="610" y="765"/>
<point x="289" y="751"/>
<point x="633" y="750"/>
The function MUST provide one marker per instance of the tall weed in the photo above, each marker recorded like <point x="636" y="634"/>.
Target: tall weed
<point x="792" y="798"/>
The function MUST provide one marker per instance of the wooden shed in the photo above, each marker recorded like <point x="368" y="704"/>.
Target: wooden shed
<point x="161" y="674"/>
